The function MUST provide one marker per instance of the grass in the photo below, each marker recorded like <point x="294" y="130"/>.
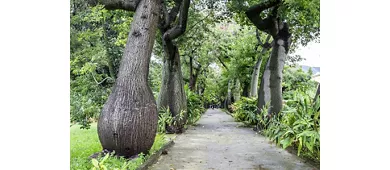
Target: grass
<point x="84" y="143"/>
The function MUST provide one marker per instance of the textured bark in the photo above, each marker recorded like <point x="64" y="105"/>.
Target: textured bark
<point x="276" y="65"/>
<point x="172" y="93"/>
<point x="264" y="91"/>
<point x="128" y="121"/>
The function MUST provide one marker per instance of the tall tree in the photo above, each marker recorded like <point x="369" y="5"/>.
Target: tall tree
<point x="172" y="93"/>
<point x="128" y="121"/>
<point x="256" y="69"/>
<point x="280" y="15"/>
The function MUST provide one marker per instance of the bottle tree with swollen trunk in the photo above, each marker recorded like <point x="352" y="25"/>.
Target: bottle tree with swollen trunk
<point x="128" y="121"/>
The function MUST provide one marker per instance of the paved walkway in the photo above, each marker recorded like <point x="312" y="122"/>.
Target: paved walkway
<point x="218" y="143"/>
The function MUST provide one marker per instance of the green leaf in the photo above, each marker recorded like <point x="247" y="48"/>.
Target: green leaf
<point x="286" y="142"/>
<point x="95" y="163"/>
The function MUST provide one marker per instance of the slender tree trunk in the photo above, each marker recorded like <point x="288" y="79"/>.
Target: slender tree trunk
<point x="264" y="91"/>
<point x="192" y="83"/>
<point x="256" y="71"/>
<point x="236" y="92"/>
<point x="255" y="78"/>
<point x="172" y="93"/>
<point x="128" y="121"/>
<point x="246" y="89"/>
<point x="229" y="95"/>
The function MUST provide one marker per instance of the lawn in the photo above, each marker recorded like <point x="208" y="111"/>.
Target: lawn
<point x="84" y="143"/>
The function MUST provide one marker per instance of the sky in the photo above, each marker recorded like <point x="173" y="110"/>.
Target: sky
<point x="311" y="53"/>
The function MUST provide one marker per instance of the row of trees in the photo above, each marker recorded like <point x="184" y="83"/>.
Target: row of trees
<point x="190" y="38"/>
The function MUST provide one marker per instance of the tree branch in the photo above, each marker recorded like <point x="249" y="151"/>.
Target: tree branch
<point x="165" y="15"/>
<point x="223" y="64"/>
<point x="128" y="5"/>
<point x="181" y="27"/>
<point x="175" y="10"/>
<point x="253" y="13"/>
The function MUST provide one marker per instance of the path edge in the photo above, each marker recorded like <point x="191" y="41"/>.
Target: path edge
<point x="154" y="157"/>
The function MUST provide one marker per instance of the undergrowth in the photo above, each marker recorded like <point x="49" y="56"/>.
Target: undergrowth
<point x="297" y="126"/>
<point x="84" y="143"/>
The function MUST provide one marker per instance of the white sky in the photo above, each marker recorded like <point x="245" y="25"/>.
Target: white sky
<point x="311" y="53"/>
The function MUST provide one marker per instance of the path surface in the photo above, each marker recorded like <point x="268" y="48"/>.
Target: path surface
<point x="218" y="143"/>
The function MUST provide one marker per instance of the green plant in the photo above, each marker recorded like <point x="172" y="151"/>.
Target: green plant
<point x="195" y="106"/>
<point x="245" y="110"/>
<point x="298" y="125"/>
<point x="164" y="119"/>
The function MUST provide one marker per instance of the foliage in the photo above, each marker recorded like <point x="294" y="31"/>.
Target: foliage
<point x="302" y="16"/>
<point x="195" y="106"/>
<point x="97" y="38"/>
<point x="245" y="110"/>
<point x="164" y="119"/>
<point x="294" y="78"/>
<point x="298" y="126"/>
<point x="84" y="143"/>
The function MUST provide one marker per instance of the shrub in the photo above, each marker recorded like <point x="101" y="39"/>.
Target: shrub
<point x="195" y="106"/>
<point x="298" y="125"/>
<point x="245" y="110"/>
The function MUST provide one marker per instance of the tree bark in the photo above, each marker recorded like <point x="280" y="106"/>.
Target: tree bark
<point x="276" y="66"/>
<point x="172" y="93"/>
<point x="264" y="91"/>
<point x="128" y="121"/>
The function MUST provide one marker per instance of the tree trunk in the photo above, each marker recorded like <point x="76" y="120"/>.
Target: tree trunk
<point x="172" y="93"/>
<point x="246" y="89"/>
<point x="276" y="64"/>
<point x="264" y="91"/>
<point x="256" y="72"/>
<point x="128" y="121"/>
<point x="229" y="96"/>
<point x="192" y="81"/>
<point x="236" y="92"/>
<point x="255" y="78"/>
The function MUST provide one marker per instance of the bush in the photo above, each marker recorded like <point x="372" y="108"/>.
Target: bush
<point x="298" y="125"/>
<point x="195" y="106"/>
<point x="245" y="110"/>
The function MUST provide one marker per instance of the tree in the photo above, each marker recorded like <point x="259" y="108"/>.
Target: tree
<point x="172" y="93"/>
<point x="279" y="14"/>
<point x="128" y="121"/>
<point x="256" y="69"/>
